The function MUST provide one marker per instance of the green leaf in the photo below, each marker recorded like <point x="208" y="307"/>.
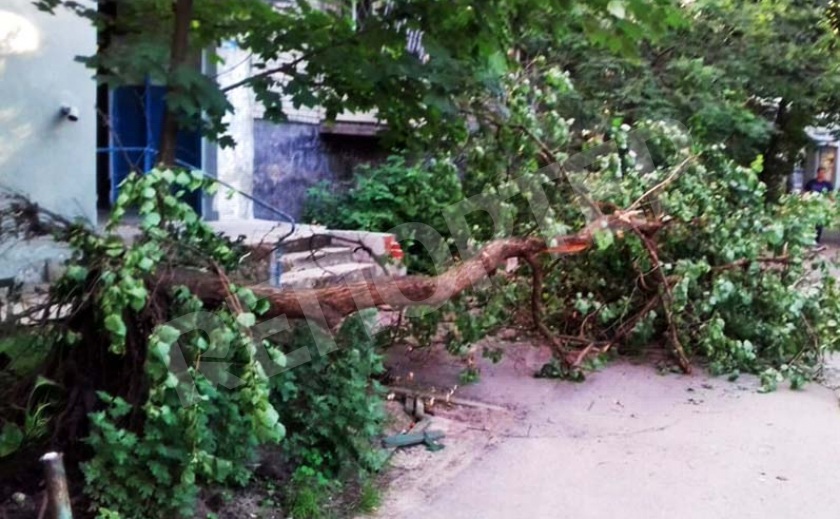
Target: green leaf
<point x="146" y="264"/>
<point x="268" y="416"/>
<point x="77" y="273"/>
<point x="497" y="63"/>
<point x="247" y="297"/>
<point x="138" y="296"/>
<point x="262" y="306"/>
<point x="152" y="220"/>
<point x="11" y="438"/>
<point x="168" y="334"/>
<point x="246" y="319"/>
<point x="162" y="350"/>
<point x="115" y="324"/>
<point x="603" y="239"/>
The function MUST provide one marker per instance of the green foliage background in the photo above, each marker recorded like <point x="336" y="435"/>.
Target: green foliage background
<point x="390" y="197"/>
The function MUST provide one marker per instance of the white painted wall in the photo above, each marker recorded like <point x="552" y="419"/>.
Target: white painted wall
<point x="43" y="154"/>
<point x="235" y="166"/>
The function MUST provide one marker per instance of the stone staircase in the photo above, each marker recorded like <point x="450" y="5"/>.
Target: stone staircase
<point x="312" y="257"/>
<point x="300" y="267"/>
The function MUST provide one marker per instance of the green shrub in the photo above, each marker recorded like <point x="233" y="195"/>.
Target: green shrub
<point x="309" y="493"/>
<point x="742" y="293"/>
<point x="179" y="392"/>
<point x="334" y="414"/>
<point x="332" y="409"/>
<point x="153" y="450"/>
<point x="385" y="196"/>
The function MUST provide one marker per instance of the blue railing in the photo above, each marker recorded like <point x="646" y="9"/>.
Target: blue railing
<point x="134" y="124"/>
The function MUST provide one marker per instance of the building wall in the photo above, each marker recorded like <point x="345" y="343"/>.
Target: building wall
<point x="235" y="166"/>
<point x="277" y="162"/>
<point x="42" y="153"/>
<point x="289" y="158"/>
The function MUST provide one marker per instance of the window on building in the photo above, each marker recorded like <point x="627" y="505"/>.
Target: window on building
<point x="129" y="127"/>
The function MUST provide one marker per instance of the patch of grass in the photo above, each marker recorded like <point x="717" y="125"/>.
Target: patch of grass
<point x="309" y="494"/>
<point x="307" y="503"/>
<point x="370" y="498"/>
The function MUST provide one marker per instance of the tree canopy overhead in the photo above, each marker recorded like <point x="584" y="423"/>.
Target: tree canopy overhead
<point x="321" y="54"/>
<point x="749" y="75"/>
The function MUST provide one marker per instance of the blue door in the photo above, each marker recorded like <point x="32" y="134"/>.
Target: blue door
<point x="136" y="119"/>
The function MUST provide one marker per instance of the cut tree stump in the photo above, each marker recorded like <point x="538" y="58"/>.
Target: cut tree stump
<point x="58" y="497"/>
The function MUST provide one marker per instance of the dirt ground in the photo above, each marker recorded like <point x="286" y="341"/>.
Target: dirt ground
<point x="628" y="442"/>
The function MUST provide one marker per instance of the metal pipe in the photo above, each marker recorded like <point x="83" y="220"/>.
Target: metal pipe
<point x="147" y="100"/>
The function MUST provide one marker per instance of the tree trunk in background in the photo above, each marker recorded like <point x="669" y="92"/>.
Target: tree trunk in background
<point x="777" y="156"/>
<point x="183" y="10"/>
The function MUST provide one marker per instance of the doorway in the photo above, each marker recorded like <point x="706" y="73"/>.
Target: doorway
<point x="128" y="138"/>
<point x="129" y="125"/>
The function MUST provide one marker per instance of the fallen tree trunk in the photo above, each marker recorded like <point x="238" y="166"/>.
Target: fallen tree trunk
<point x="330" y="305"/>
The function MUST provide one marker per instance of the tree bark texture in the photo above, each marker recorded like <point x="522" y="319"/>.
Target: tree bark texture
<point x="330" y="305"/>
<point x="183" y="10"/>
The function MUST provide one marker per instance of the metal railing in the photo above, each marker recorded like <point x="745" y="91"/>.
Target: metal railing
<point x="276" y="251"/>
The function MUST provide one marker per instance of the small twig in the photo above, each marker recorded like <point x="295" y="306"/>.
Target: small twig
<point x="628" y="326"/>
<point x="783" y="260"/>
<point x="589" y="316"/>
<point x="577" y="340"/>
<point x="290" y="68"/>
<point x="673" y="176"/>
<point x="582" y="355"/>
<point x="42" y="512"/>
<point x="667" y="299"/>
<point x="815" y="340"/>
<point x="448" y="399"/>
<point x="536" y="305"/>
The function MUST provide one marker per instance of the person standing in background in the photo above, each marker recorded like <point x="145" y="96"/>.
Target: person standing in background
<point x="820" y="185"/>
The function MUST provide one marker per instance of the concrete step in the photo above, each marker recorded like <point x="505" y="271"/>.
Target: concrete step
<point x="321" y="277"/>
<point x="263" y="234"/>
<point x="305" y="243"/>
<point x="324" y="257"/>
<point x="33" y="261"/>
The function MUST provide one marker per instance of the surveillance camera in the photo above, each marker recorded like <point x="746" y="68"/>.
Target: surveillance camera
<point x="70" y="112"/>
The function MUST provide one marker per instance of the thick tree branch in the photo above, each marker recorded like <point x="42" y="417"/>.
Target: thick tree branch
<point x="330" y="305"/>
<point x="536" y="302"/>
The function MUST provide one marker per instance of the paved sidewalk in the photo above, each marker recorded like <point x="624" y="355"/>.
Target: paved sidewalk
<point x="631" y="443"/>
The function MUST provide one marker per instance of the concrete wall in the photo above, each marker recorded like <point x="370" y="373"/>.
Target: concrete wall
<point x="290" y="158"/>
<point x="43" y="154"/>
<point x="235" y="166"/>
<point x="278" y="162"/>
